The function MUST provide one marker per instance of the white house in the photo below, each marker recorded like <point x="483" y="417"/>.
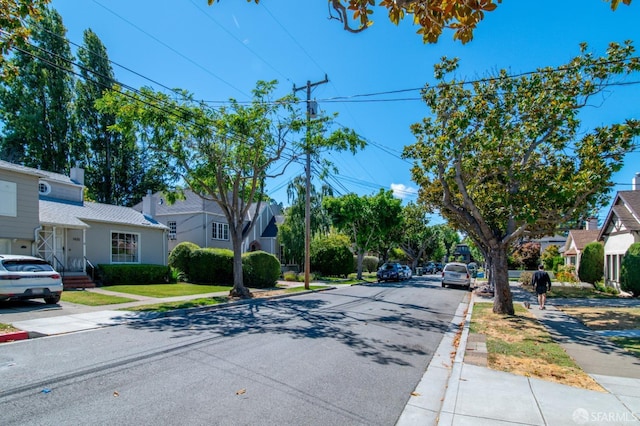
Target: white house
<point x="576" y="242"/>
<point x="45" y="214"/>
<point x="620" y="229"/>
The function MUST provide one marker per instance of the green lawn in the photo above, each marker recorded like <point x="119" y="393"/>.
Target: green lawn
<point x="185" y="304"/>
<point x="631" y="344"/>
<point x="92" y="299"/>
<point x="167" y="290"/>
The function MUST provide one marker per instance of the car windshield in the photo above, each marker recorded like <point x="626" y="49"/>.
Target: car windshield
<point x="26" y="266"/>
<point x="456" y="268"/>
<point x="388" y="266"/>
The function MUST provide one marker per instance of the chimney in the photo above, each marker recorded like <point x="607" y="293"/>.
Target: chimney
<point x="77" y="174"/>
<point x="635" y="182"/>
<point x="592" y="224"/>
<point x="149" y="205"/>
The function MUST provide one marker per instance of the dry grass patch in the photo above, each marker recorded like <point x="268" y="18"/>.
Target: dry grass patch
<point x="519" y="344"/>
<point x="606" y="318"/>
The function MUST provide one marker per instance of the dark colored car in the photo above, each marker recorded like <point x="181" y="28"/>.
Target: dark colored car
<point x="390" y="271"/>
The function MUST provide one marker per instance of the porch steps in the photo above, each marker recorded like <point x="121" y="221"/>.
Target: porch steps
<point x="77" y="281"/>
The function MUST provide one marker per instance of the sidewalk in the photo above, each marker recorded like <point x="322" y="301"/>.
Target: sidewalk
<point x="477" y="395"/>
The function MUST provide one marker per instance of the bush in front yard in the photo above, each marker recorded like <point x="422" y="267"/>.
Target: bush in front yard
<point x="133" y="274"/>
<point x="592" y="263"/>
<point x="180" y="257"/>
<point x="260" y="269"/>
<point x="370" y="263"/>
<point x="331" y="255"/>
<point x="211" y="266"/>
<point x="630" y="270"/>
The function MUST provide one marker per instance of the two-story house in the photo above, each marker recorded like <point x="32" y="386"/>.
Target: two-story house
<point x="45" y="214"/>
<point x="202" y="222"/>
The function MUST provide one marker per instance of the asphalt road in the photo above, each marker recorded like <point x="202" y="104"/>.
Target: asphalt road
<point x="350" y="356"/>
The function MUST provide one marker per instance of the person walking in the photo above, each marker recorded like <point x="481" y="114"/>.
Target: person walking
<point x="541" y="282"/>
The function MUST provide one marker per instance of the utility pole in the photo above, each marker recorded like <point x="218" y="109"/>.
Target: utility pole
<point x="311" y="112"/>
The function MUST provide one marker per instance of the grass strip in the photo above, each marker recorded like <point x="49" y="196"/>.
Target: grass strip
<point x="92" y="299"/>
<point x="7" y="328"/>
<point x="519" y="344"/>
<point x="184" y="304"/>
<point x="167" y="290"/>
<point x="631" y="344"/>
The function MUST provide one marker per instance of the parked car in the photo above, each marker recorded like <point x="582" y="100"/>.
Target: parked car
<point x="430" y="268"/>
<point x="27" y="277"/>
<point x="407" y="272"/>
<point x="473" y="269"/>
<point x="457" y="274"/>
<point x="390" y="271"/>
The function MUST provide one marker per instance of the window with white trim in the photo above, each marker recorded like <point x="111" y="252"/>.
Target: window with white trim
<point x="9" y="197"/>
<point x="173" y="227"/>
<point x="219" y="231"/>
<point x="125" y="247"/>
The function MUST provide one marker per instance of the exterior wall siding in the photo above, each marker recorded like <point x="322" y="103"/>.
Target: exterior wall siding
<point x="24" y="224"/>
<point x="65" y="192"/>
<point x="152" y="243"/>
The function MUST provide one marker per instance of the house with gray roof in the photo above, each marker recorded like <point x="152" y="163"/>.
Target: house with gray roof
<point x="200" y="220"/>
<point x="620" y="229"/>
<point x="45" y="214"/>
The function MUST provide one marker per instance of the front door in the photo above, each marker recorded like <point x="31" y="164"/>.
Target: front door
<point x="74" y="250"/>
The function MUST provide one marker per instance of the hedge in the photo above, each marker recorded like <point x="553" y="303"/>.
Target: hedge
<point x="133" y="274"/>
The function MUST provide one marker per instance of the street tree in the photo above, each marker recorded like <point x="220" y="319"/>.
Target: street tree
<point x="13" y="29"/>
<point x="36" y="102"/>
<point x="364" y="219"/>
<point x="506" y="157"/>
<point x="431" y="16"/>
<point x="417" y="235"/>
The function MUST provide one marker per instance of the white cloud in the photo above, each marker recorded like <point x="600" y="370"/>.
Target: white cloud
<point x="402" y="191"/>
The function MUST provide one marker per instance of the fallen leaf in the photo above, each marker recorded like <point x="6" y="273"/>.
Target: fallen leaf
<point x="241" y="392"/>
<point x="116" y="394"/>
<point x="415" y="394"/>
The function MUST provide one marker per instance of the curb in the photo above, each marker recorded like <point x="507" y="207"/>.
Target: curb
<point x="12" y="337"/>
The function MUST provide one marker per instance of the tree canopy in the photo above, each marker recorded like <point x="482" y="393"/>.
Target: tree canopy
<point x="505" y="157"/>
<point x="431" y="16"/>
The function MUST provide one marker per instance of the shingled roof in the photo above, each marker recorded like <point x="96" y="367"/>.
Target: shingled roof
<point x="626" y="208"/>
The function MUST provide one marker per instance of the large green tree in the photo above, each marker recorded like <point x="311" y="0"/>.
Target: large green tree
<point x="506" y="157"/>
<point x="417" y="235"/>
<point x="431" y="17"/>
<point x="364" y="219"/>
<point x="36" y="102"/>
<point x="13" y="29"/>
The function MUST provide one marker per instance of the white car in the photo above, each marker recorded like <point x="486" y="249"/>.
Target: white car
<point x="457" y="274"/>
<point x="408" y="273"/>
<point x="27" y="277"/>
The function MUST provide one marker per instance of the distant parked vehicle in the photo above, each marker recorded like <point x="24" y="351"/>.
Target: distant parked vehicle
<point x="431" y="268"/>
<point x="457" y="274"/>
<point x="390" y="271"/>
<point x="27" y="277"/>
<point x="408" y="273"/>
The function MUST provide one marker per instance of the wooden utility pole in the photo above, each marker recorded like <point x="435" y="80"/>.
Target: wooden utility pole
<point x="311" y="112"/>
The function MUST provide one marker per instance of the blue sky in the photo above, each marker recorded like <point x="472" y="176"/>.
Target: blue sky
<point x="220" y="51"/>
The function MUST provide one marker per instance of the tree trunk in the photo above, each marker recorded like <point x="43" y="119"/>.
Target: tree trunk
<point x="502" y="301"/>
<point x="238" y="290"/>
<point x="359" y="266"/>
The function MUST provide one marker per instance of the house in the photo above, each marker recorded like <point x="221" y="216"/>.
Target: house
<point x="202" y="222"/>
<point x="621" y="228"/>
<point x="45" y="214"/>
<point x="577" y="240"/>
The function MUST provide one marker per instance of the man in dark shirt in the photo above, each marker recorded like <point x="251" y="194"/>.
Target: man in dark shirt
<point x="541" y="283"/>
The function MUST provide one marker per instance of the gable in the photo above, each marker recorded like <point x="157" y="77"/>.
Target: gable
<point x="624" y="215"/>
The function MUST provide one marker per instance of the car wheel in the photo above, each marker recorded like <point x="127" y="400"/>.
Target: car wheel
<point x="52" y="300"/>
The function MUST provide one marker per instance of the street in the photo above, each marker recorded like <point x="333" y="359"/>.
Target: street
<point x="346" y="356"/>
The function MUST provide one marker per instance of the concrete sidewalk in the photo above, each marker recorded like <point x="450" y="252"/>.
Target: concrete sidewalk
<point x="477" y="395"/>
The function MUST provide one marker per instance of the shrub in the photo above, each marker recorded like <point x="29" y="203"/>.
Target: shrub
<point x="211" y="266"/>
<point x="592" y="263"/>
<point x="260" y="269"/>
<point x="180" y="257"/>
<point x="291" y="276"/>
<point x="133" y="274"/>
<point x="566" y="274"/>
<point x="549" y="257"/>
<point x="370" y="263"/>
<point x="331" y="255"/>
<point x="630" y="270"/>
<point x="525" y="278"/>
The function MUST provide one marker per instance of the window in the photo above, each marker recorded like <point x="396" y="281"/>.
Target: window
<point x="44" y="188"/>
<point x="219" y="231"/>
<point x="9" y="197"/>
<point x="172" y="229"/>
<point x="125" y="247"/>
